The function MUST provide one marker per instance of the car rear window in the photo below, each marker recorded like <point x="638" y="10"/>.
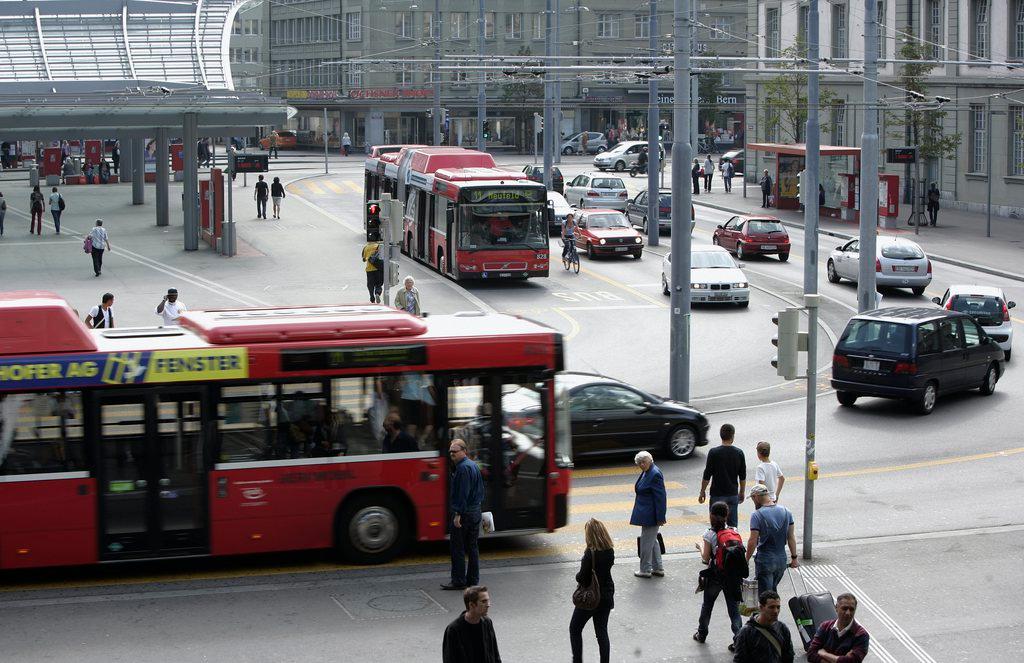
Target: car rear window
<point x="876" y="336"/>
<point x="902" y="251"/>
<point x="607" y="183"/>
<point x="764" y="227"/>
<point x="986" y="310"/>
<point x="665" y="200"/>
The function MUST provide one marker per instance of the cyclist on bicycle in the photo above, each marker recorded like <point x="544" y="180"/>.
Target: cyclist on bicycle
<point x="641" y="161"/>
<point x="568" y="234"/>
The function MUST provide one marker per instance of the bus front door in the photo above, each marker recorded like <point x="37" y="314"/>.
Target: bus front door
<point x="152" y="474"/>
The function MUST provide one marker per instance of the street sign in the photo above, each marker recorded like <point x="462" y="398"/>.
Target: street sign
<point x="251" y="163"/>
<point x="901" y="155"/>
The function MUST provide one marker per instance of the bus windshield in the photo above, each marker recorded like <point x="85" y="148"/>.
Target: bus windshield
<point x="515" y="225"/>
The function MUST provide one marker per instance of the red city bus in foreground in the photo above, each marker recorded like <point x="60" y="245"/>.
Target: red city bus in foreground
<point x="259" y="430"/>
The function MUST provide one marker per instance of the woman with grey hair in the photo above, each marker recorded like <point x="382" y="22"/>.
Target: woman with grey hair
<point x="649" y="513"/>
<point x="408" y="299"/>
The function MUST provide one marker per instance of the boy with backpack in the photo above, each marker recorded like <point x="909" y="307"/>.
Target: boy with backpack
<point x="768" y="472"/>
<point x="723" y="551"/>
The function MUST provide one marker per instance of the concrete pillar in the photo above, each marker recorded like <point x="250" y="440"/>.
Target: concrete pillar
<point x="125" y="167"/>
<point x="138" y="150"/>
<point x="190" y="200"/>
<point x="163" y="215"/>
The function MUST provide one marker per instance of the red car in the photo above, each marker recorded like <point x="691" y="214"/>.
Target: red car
<point x="607" y="232"/>
<point x="753" y="235"/>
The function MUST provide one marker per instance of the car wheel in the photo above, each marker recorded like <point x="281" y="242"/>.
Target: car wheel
<point x="830" y="269"/>
<point x="638" y="255"/>
<point x="783" y="257"/>
<point x="643" y="225"/>
<point x="714" y="240"/>
<point x="917" y="291"/>
<point x="582" y="206"/>
<point x="371" y="529"/>
<point x="664" y="286"/>
<point x="620" y="166"/>
<point x="1006" y="355"/>
<point x="926" y="402"/>
<point x="988" y="387"/>
<point x="846" y="399"/>
<point x="681" y="442"/>
<point x="568" y="151"/>
<point x="590" y="251"/>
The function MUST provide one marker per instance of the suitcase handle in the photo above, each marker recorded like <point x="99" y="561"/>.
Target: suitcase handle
<point x="790" y="573"/>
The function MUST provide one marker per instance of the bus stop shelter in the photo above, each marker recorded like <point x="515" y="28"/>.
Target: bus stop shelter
<point x="839" y="170"/>
<point x="138" y="71"/>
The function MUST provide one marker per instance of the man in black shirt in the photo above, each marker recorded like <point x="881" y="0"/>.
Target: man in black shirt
<point x="726" y="471"/>
<point x="261" y="194"/>
<point x="470" y="637"/>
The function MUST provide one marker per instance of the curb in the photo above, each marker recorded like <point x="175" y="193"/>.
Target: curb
<point x="937" y="258"/>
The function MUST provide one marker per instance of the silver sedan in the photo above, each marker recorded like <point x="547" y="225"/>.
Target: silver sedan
<point x="597" y="190"/>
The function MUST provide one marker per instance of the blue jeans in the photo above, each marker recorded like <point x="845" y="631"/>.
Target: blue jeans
<point x="734" y="506"/>
<point x="56" y="218"/>
<point x="711" y="591"/>
<point x="769" y="573"/>
<point x="464" y="543"/>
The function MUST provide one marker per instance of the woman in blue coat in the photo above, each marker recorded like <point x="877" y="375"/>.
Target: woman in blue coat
<point x="649" y="509"/>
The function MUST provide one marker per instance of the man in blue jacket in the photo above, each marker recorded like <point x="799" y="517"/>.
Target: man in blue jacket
<point x="649" y="509"/>
<point x="465" y="495"/>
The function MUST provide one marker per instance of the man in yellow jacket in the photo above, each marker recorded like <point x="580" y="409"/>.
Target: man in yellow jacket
<point x="374" y="259"/>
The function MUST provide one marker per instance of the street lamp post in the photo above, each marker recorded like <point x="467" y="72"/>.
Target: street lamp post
<point x="867" y="296"/>
<point x="435" y="34"/>
<point x="558" y="86"/>
<point x="549" y="129"/>
<point x="679" y="359"/>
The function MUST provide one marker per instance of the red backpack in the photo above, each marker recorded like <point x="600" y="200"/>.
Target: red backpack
<point x="730" y="555"/>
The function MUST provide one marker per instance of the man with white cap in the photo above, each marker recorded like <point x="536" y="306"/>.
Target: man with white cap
<point x="170" y="309"/>
<point x="771" y="529"/>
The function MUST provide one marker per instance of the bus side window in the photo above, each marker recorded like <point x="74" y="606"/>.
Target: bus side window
<point x="41" y="433"/>
<point x="362" y="405"/>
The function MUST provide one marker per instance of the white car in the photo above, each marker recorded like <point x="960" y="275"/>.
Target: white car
<point x="987" y="305"/>
<point x="591" y="190"/>
<point x="623" y="156"/>
<point x="899" y="263"/>
<point x="715" y="278"/>
<point x="560" y="206"/>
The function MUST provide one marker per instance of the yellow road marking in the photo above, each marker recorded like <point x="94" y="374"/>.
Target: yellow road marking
<point x="616" y="488"/>
<point x="580" y="508"/>
<point x="312" y="186"/>
<point x="332" y="186"/>
<point x="574" y="326"/>
<point x="358" y="188"/>
<point x="673" y="521"/>
<point x="605" y="472"/>
<point x="916" y="466"/>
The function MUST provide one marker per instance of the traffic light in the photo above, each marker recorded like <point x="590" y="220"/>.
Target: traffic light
<point x="373" y="211"/>
<point x="790" y="341"/>
<point x="487" y="130"/>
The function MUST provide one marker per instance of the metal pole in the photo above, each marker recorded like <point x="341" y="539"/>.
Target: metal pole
<point x="557" y="139"/>
<point x="679" y="358"/>
<point x="481" y="91"/>
<point x="326" y="170"/>
<point x="694" y="86"/>
<point x="190" y="183"/>
<point x="988" y="157"/>
<point x="811" y="211"/>
<point x="867" y="295"/>
<point x="653" y="151"/>
<point x="549" y="94"/>
<point x="435" y="30"/>
<point x="917" y="202"/>
<point x="163" y="214"/>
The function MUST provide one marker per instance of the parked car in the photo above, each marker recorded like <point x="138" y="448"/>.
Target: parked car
<point x="610" y="417"/>
<point x="623" y="156"/>
<point x="596" y="142"/>
<point x="607" y="232"/>
<point x="597" y="190"/>
<point x="560" y="207"/>
<point x="899" y="263"/>
<point x="753" y="235"/>
<point x="736" y="157"/>
<point x="989" y="308"/>
<point x="636" y="211"/>
<point x="916" y="354"/>
<point x="714" y="277"/>
<point x="286" y="140"/>
<point x="536" y="173"/>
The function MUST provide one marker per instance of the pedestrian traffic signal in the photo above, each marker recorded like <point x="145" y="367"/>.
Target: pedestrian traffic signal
<point x="373" y="210"/>
<point x="790" y="341"/>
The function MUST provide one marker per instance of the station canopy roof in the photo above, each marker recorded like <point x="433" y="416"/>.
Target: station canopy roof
<point x="801" y="149"/>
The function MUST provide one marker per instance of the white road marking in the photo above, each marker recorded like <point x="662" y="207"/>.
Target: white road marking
<point x="338" y="603"/>
<point x="42" y="242"/>
<point x="611" y="307"/>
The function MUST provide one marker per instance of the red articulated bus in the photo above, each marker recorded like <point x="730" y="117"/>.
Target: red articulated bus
<point x="259" y="430"/>
<point x="380" y="170"/>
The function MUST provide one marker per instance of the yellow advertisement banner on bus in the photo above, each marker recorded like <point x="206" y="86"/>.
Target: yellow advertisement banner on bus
<point x="197" y="365"/>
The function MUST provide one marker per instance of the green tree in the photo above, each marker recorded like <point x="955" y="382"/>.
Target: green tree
<point x="925" y="123"/>
<point x="709" y="86"/>
<point x="524" y="97"/>
<point x="786" y="99"/>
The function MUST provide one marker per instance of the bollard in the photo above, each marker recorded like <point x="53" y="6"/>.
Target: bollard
<point x="33" y="176"/>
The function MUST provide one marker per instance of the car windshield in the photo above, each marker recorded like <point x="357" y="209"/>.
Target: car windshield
<point x="902" y="251"/>
<point x="876" y="336"/>
<point x="607" y="221"/>
<point x="607" y="183"/>
<point x="986" y="310"/>
<point x="758" y="226"/>
<point x="710" y="260"/>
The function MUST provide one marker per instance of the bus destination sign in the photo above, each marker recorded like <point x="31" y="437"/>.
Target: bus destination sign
<point x="365" y="357"/>
<point x="492" y="196"/>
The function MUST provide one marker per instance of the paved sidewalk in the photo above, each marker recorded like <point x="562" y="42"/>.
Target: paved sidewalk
<point x="958" y="239"/>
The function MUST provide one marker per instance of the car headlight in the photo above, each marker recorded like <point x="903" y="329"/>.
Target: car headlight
<point x="741" y="284"/>
<point x="601" y="241"/>
<point x="698" y="286"/>
<point x="638" y="240"/>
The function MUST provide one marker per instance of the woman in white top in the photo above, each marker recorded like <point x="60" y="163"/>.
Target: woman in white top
<point x="709" y="172"/>
<point x="56" y="208"/>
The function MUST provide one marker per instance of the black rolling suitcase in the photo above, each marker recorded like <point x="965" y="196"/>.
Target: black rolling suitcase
<point x="810" y="610"/>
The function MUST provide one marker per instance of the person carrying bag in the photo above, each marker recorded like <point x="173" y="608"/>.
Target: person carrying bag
<point x="594" y="597"/>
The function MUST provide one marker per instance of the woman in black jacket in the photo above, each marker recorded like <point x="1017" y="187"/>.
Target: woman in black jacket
<point x="598" y="558"/>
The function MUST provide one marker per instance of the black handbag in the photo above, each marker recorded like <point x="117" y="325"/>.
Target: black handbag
<point x="587" y="597"/>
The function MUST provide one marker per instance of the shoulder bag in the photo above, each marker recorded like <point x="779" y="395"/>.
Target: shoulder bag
<point x="587" y="597"/>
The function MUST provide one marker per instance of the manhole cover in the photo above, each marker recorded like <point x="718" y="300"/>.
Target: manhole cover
<point x="361" y="606"/>
<point x="399" y="603"/>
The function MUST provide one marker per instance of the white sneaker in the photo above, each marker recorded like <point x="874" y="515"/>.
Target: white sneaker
<point x="641" y="574"/>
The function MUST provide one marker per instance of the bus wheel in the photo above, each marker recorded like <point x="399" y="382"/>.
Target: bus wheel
<point x="371" y="529"/>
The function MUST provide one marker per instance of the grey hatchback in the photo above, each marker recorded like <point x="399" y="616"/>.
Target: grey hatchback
<point x="915" y="354"/>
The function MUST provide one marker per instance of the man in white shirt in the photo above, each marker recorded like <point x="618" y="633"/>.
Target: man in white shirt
<point x="100" y="243"/>
<point x="170" y="309"/>
<point x="768" y="472"/>
<point x="100" y="316"/>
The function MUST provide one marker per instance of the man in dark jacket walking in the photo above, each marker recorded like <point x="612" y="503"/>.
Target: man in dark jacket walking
<point x="766" y="188"/>
<point x="764" y="639"/>
<point x="840" y="640"/>
<point x="470" y="637"/>
<point x="465" y="495"/>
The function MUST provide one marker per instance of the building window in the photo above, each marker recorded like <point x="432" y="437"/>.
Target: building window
<point x="429" y="29"/>
<point x="403" y="25"/>
<point x="489" y="18"/>
<point x="236" y="26"/>
<point x="460" y="77"/>
<point x="404" y="75"/>
<point x="245" y="55"/>
<point x="354" y="75"/>
<point x="979" y="124"/>
<point x="935" y="27"/>
<point x="252" y="26"/>
<point x="1016" y="140"/>
<point x="771" y="125"/>
<point x="840" y="40"/>
<point x="773" y="43"/>
<point x="839" y="123"/>
<point x="721" y="28"/>
<point x="641" y="26"/>
<point x="537" y="27"/>
<point x="883" y="31"/>
<point x="1017" y="41"/>
<point x="608" y="26"/>
<point x="513" y="25"/>
<point x="354" y="26"/>
<point x="979" y="47"/>
<point x="801" y="28"/>
<point x="459" y="25"/>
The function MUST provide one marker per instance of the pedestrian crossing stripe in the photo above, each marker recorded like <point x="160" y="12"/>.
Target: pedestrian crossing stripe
<point x="626" y="506"/>
<point x="606" y="472"/>
<point x="312" y="186"/>
<point x="333" y="186"/>
<point x="357" y="187"/>
<point x="618" y="488"/>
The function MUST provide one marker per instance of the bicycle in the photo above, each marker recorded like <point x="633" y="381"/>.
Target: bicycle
<point x="571" y="258"/>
